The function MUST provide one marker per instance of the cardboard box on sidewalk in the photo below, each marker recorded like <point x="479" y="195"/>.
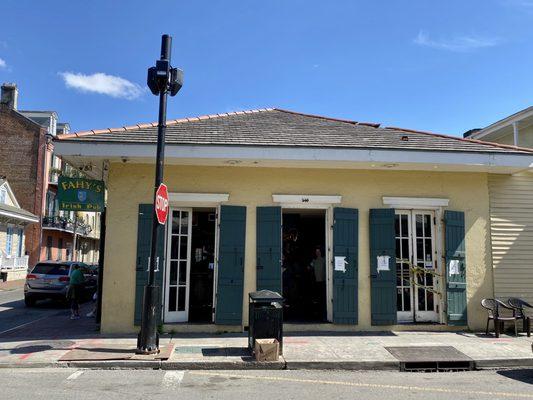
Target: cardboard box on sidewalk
<point x="266" y="350"/>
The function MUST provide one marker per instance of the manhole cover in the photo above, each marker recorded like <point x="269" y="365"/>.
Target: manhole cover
<point x="431" y="358"/>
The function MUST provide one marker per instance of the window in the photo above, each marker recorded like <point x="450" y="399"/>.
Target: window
<point x="50" y="203"/>
<point x="3" y="195"/>
<point x="9" y="240"/>
<point x="49" y="243"/>
<point x="20" y="244"/>
<point x="51" y="269"/>
<point x="59" y="248"/>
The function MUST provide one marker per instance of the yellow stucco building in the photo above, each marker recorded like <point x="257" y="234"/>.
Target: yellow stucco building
<point x="358" y="226"/>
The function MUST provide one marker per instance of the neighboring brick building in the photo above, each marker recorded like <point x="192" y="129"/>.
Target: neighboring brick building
<point x="28" y="162"/>
<point x="22" y="159"/>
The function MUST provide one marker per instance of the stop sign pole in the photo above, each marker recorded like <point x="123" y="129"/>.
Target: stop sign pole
<point x="162" y="80"/>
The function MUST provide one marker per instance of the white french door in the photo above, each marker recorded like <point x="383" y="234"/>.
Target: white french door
<point x="178" y="265"/>
<point x="415" y="247"/>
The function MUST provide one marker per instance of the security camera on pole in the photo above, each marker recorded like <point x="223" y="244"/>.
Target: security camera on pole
<point x="162" y="79"/>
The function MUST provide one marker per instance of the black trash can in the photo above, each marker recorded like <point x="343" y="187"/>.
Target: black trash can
<point x="265" y="317"/>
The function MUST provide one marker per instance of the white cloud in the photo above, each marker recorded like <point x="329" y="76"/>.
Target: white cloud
<point x="457" y="44"/>
<point x="101" y="83"/>
<point x="3" y="63"/>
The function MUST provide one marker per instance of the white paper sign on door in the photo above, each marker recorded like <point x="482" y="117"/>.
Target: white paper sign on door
<point x="383" y="263"/>
<point x="340" y="264"/>
<point x="454" y="267"/>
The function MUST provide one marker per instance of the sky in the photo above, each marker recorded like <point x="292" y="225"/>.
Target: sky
<point x="440" y="66"/>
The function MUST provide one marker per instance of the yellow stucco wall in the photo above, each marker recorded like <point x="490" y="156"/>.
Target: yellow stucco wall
<point x="131" y="184"/>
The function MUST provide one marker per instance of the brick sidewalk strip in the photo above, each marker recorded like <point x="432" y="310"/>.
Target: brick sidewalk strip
<point x="301" y="351"/>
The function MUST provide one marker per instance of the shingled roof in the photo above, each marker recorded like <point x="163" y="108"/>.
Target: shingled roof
<point x="276" y="127"/>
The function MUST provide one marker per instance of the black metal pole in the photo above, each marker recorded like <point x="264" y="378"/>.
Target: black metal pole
<point x="148" y="340"/>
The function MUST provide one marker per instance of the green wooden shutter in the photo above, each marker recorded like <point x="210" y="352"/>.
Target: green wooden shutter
<point x="230" y="282"/>
<point x="383" y="283"/>
<point x="269" y="248"/>
<point x="455" y="278"/>
<point x="345" y="244"/>
<point x="144" y="233"/>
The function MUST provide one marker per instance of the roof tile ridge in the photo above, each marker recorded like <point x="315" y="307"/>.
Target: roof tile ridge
<point x="65" y="136"/>
<point x="500" y="145"/>
<point x="348" y="121"/>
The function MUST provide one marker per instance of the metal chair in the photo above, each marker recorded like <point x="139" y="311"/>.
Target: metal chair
<point x="518" y="306"/>
<point x="498" y="312"/>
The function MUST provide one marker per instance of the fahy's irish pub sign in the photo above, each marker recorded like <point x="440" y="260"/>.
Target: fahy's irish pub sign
<point x="80" y="194"/>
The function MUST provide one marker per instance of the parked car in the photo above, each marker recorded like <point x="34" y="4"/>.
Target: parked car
<point x="50" y="280"/>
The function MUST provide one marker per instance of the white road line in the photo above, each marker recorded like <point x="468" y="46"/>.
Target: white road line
<point x="173" y="378"/>
<point x="27" y="323"/>
<point x="75" y="375"/>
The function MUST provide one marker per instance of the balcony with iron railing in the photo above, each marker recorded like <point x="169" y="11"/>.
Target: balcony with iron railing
<point x="65" y="224"/>
<point x="12" y="263"/>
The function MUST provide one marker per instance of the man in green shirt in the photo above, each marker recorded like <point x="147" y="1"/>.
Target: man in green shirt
<point x="75" y="291"/>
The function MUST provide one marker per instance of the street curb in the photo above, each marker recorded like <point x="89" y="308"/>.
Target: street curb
<point x="115" y="364"/>
<point x="345" y="365"/>
<point x="254" y="365"/>
<point x="223" y="365"/>
<point x="31" y="365"/>
<point x="504" y="363"/>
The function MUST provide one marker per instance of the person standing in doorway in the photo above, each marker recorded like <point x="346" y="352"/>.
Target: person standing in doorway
<point x="319" y="268"/>
<point x="75" y="291"/>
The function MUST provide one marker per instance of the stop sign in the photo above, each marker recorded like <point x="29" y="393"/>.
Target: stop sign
<point x="161" y="203"/>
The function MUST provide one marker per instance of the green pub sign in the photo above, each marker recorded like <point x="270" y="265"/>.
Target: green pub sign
<point x="80" y="194"/>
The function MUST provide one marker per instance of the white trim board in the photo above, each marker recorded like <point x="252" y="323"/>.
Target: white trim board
<point x="350" y="156"/>
<point x="306" y="200"/>
<point x="204" y="198"/>
<point x="427" y="203"/>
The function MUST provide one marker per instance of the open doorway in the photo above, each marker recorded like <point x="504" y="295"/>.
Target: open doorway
<point x="191" y="266"/>
<point x="304" y="265"/>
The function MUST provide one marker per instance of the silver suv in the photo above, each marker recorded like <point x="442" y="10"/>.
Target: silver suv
<point x="50" y="280"/>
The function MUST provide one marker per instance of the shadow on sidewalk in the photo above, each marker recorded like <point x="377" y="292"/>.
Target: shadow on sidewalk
<point x="522" y="375"/>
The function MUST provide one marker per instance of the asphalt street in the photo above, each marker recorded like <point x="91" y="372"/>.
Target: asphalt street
<point x="47" y="319"/>
<point x="64" y="383"/>
<point x="13" y="312"/>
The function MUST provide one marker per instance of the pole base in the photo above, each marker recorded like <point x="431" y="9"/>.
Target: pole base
<point x="148" y="339"/>
<point x="147" y="350"/>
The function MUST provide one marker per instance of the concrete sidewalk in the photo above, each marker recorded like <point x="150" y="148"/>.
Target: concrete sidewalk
<point x="12" y="285"/>
<point x="356" y="351"/>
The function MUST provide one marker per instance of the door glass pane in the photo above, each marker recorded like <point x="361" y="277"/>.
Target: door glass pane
<point x="405" y="249"/>
<point x="398" y="249"/>
<point x="407" y="297"/>
<point x="183" y="248"/>
<point x="183" y="273"/>
<point x="421" y="300"/>
<point x="172" y="298"/>
<point x="420" y="250"/>
<point x="427" y="225"/>
<point x="184" y="222"/>
<point x="399" y="305"/>
<point x="405" y="229"/>
<point x="174" y="247"/>
<point x="173" y="273"/>
<point x="397" y="224"/>
<point x="430" y="302"/>
<point x="175" y="222"/>
<point x="419" y="226"/>
<point x="181" y="298"/>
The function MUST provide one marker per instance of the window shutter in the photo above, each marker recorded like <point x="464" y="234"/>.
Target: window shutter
<point x="269" y="248"/>
<point x="230" y="282"/>
<point x="383" y="283"/>
<point x="144" y="233"/>
<point x="455" y="267"/>
<point x="345" y="244"/>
